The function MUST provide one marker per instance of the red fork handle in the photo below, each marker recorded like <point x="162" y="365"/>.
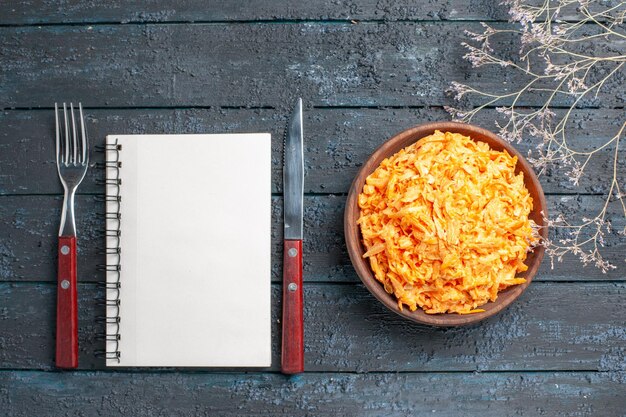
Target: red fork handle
<point x="67" y="306"/>
<point x="292" y="358"/>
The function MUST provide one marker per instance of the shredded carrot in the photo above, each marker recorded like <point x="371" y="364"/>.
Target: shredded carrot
<point x="476" y="310"/>
<point x="445" y="224"/>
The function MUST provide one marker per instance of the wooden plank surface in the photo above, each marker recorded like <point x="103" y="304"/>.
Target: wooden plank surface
<point x="439" y="394"/>
<point x="552" y="326"/>
<point x="344" y="64"/>
<point x="255" y="10"/>
<point x="92" y="11"/>
<point x="560" y="350"/>
<point x="337" y="142"/>
<point x="30" y="225"/>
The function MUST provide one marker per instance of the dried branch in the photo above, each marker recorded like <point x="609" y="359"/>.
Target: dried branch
<point x="555" y="60"/>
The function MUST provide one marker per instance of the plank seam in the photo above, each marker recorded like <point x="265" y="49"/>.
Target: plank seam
<point x="261" y="372"/>
<point x="316" y="107"/>
<point x="308" y="194"/>
<point x="337" y="21"/>
<point x="606" y="282"/>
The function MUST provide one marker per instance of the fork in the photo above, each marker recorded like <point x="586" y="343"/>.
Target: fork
<point x="72" y="155"/>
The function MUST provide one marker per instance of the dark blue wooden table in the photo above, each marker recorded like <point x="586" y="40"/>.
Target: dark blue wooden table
<point x="366" y="70"/>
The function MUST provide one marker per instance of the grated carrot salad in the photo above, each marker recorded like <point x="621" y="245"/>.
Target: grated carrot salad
<point x="445" y="224"/>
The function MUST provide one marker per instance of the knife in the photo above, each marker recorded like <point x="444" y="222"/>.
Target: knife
<point x="292" y="358"/>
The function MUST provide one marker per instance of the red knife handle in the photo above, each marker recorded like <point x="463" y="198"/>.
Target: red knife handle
<point x="67" y="306"/>
<point x="292" y="358"/>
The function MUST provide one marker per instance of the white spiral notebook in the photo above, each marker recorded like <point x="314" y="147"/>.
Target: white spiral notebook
<point x="188" y="250"/>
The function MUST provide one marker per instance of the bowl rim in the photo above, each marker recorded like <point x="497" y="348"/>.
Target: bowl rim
<point x="353" y="238"/>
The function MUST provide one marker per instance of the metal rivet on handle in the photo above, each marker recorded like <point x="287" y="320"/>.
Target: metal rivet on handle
<point x="292" y="287"/>
<point x="65" y="249"/>
<point x="65" y="284"/>
<point x="292" y="252"/>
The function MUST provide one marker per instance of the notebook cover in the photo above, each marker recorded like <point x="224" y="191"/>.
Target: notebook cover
<point x="195" y="219"/>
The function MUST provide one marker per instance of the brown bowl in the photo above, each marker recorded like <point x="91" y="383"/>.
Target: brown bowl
<point x="353" y="231"/>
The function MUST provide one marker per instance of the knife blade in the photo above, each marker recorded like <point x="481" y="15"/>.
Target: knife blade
<point x="292" y="357"/>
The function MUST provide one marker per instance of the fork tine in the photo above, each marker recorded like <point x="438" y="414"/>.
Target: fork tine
<point x="83" y="135"/>
<point x="74" y="159"/>
<point x="56" y="125"/>
<point x="67" y="137"/>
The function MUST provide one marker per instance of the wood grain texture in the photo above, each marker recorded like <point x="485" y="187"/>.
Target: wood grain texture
<point x="579" y="394"/>
<point x="67" y="305"/>
<point x="337" y="142"/>
<point x="369" y="64"/>
<point x="91" y="11"/>
<point x="551" y="326"/>
<point x="203" y="78"/>
<point x="29" y="225"/>
<point x="292" y="318"/>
